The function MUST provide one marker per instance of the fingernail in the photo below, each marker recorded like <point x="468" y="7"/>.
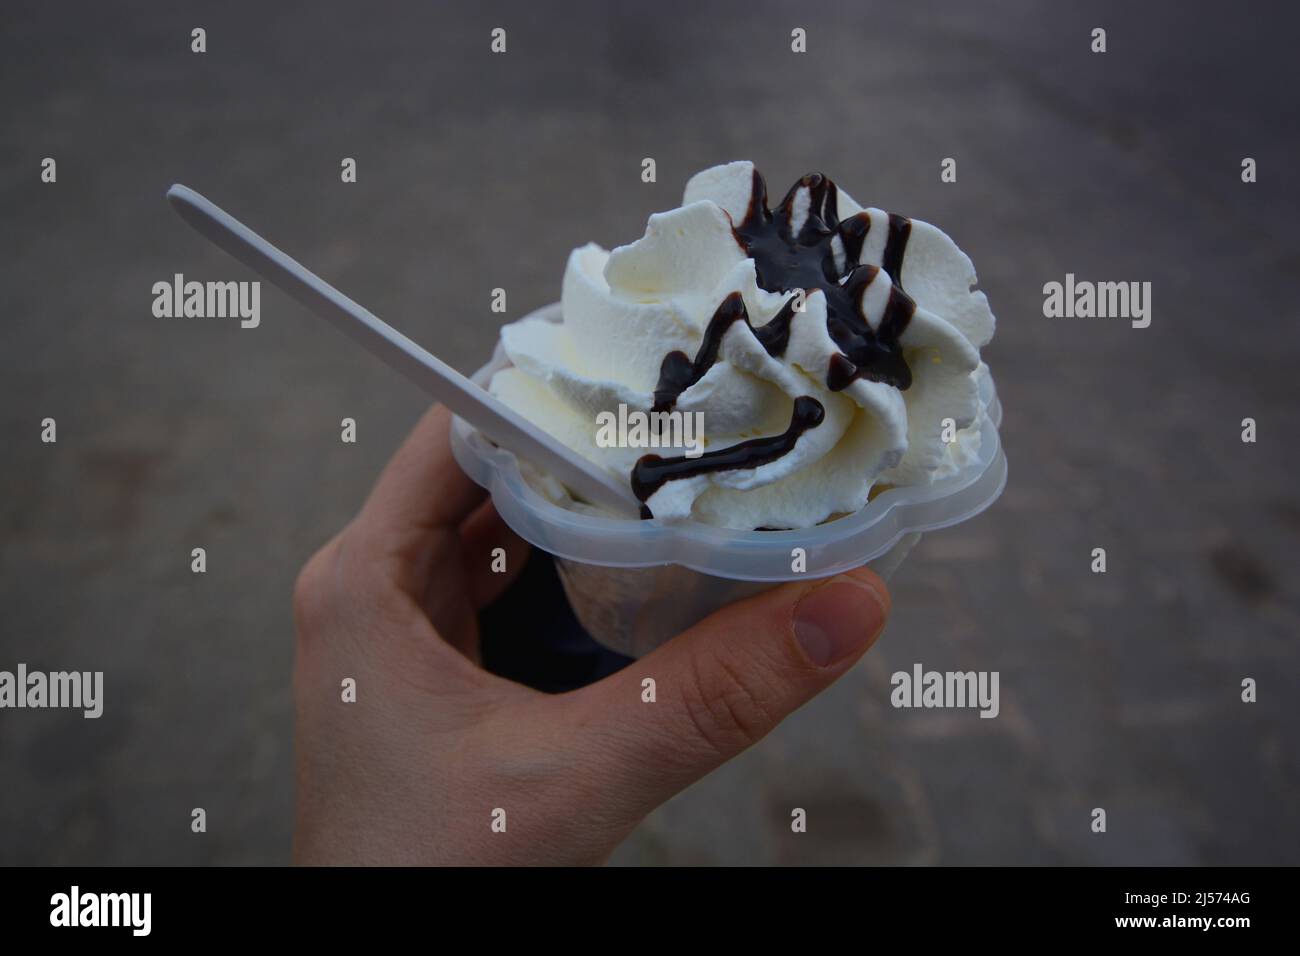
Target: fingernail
<point x="837" y="619"/>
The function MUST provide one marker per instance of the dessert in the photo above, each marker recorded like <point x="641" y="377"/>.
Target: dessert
<point x="831" y="349"/>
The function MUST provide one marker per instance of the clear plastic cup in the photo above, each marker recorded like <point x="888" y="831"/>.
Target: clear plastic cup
<point x="635" y="584"/>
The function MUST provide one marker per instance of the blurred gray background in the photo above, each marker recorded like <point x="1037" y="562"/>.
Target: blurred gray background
<point x="1119" y="690"/>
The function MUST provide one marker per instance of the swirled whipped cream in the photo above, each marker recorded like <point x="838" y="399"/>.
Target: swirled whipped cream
<point x="831" y="349"/>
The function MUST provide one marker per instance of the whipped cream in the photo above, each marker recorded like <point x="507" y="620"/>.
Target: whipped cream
<point x="825" y="344"/>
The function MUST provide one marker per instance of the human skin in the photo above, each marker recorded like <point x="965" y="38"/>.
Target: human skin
<point x="416" y="768"/>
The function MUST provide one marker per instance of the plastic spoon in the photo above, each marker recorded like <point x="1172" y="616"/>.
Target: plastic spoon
<point x="476" y="405"/>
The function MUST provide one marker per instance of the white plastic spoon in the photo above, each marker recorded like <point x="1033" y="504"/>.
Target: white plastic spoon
<point x="476" y="405"/>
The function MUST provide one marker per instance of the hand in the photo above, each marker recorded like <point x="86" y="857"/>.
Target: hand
<point x="413" y="770"/>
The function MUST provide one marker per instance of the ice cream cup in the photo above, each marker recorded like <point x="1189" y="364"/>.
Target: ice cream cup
<point x="635" y="584"/>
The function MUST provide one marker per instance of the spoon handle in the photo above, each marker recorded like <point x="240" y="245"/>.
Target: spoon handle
<point x="476" y="405"/>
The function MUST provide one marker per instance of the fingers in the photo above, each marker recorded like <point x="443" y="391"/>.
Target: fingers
<point x="724" y="684"/>
<point x="412" y="654"/>
<point x="392" y="584"/>
<point x="493" y="554"/>
<point x="420" y="492"/>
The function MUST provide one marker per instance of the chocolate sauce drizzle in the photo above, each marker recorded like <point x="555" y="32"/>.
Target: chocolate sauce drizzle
<point x="652" y="472"/>
<point x="678" y="372"/>
<point x="785" y="262"/>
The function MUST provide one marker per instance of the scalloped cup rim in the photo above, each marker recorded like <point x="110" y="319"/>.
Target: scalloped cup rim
<point x="832" y="547"/>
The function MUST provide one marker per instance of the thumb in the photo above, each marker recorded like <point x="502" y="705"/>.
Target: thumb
<point x="725" y="683"/>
